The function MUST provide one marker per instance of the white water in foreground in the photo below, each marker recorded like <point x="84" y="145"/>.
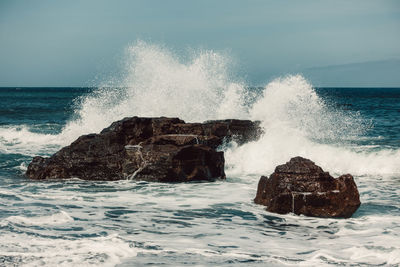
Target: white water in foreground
<point x="214" y="224"/>
<point x="104" y="224"/>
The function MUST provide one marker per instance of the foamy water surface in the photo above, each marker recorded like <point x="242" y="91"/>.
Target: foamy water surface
<point x="126" y="223"/>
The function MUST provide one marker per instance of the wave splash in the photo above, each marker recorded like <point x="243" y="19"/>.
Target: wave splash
<point x="297" y="121"/>
<point x="157" y="83"/>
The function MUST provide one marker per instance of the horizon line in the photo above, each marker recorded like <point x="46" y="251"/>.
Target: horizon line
<point x="255" y="86"/>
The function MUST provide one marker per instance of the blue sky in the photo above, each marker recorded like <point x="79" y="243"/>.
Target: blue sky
<point x="70" y="43"/>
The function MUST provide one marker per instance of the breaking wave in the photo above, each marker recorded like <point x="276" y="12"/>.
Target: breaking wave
<point x="157" y="82"/>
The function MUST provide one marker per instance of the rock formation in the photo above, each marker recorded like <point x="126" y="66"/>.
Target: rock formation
<point x="301" y="187"/>
<point x="151" y="149"/>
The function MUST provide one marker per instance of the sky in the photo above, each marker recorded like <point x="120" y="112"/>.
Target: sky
<point x="332" y="43"/>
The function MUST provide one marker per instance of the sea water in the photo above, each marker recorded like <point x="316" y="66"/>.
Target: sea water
<point x="128" y="223"/>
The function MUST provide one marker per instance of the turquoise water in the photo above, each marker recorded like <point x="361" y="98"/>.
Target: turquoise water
<point x="126" y="223"/>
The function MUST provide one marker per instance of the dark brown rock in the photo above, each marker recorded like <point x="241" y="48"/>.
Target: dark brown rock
<point x="241" y="131"/>
<point x="170" y="163"/>
<point x="301" y="187"/>
<point x="152" y="149"/>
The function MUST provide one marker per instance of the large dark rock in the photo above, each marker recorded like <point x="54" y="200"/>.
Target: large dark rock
<point x="301" y="187"/>
<point x="151" y="149"/>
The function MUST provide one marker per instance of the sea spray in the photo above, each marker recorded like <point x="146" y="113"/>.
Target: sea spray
<point x="157" y="83"/>
<point x="298" y="122"/>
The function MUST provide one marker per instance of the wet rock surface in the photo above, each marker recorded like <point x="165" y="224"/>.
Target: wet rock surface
<point x="301" y="187"/>
<point x="151" y="149"/>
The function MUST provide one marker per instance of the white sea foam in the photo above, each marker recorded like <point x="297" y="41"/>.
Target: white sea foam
<point x="102" y="251"/>
<point x="53" y="219"/>
<point x="277" y="147"/>
<point x="19" y="139"/>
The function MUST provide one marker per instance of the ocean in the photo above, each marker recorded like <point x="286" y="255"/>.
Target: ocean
<point x="128" y="223"/>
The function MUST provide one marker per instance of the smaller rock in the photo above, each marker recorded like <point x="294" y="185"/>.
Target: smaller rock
<point x="301" y="187"/>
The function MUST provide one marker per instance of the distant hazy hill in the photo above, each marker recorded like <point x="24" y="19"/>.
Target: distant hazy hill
<point x="385" y="73"/>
